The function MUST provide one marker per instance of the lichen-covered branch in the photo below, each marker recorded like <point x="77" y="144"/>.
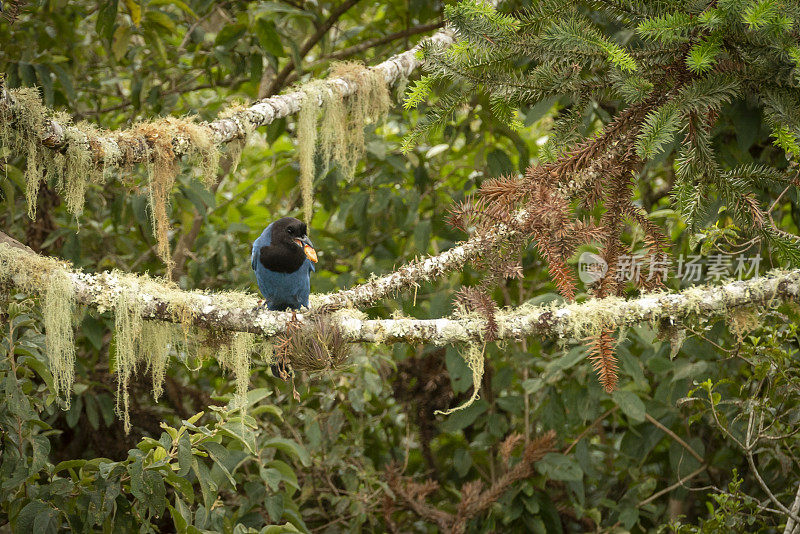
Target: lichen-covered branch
<point x="125" y="149"/>
<point x="240" y="312"/>
<point x="418" y="271"/>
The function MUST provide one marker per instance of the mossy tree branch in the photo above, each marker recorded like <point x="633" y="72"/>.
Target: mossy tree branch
<point x="240" y="311"/>
<point x="132" y="148"/>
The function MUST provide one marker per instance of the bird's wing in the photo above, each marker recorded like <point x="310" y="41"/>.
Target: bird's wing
<point x="264" y="240"/>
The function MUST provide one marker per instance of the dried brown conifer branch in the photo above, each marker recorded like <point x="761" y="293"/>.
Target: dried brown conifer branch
<point x="474" y="499"/>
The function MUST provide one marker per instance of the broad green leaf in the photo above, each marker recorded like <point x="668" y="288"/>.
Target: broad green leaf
<point x="630" y="404"/>
<point x="290" y="447"/>
<point x="559" y="467"/>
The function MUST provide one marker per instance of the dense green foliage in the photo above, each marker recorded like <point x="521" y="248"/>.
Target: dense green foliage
<point x="334" y="450"/>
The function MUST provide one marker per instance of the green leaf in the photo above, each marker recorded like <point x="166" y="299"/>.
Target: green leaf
<point x="66" y="81"/>
<point x="463" y="418"/>
<point x="286" y="471"/>
<point x="37" y="517"/>
<point x="106" y="17"/>
<point x="207" y="486"/>
<point x="178" y="520"/>
<point x="274" y="506"/>
<point x="513" y="404"/>
<point x="291" y="448"/>
<point x="499" y="163"/>
<point x="462" y="461"/>
<point x="177" y="3"/>
<point x="120" y="41"/>
<point x="556" y="466"/>
<point x="135" y="11"/>
<point x="459" y="371"/>
<point x="268" y="37"/>
<point x="238" y="431"/>
<point x="184" y="455"/>
<point x="219" y="454"/>
<point x="230" y="35"/>
<point x="630" y="404"/>
<point x="43" y="73"/>
<point x="181" y="484"/>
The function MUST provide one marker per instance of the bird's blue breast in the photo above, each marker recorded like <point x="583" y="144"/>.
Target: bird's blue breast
<point x="285" y="290"/>
<point x="281" y="290"/>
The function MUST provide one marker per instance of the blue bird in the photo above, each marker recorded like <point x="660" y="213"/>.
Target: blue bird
<point x="283" y="258"/>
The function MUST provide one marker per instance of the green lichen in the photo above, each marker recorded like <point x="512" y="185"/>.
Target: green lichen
<point x="473" y="354"/>
<point x="158" y="337"/>
<point x="341" y="131"/>
<point x="236" y="358"/>
<point x="58" y="307"/>
<point x="78" y="167"/>
<point x="21" y="127"/>
<point x="127" y="334"/>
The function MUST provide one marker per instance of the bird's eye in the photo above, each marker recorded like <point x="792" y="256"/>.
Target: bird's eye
<point x="290" y="230"/>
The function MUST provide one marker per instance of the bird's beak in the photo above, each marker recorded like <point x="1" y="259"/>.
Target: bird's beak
<point x="308" y="247"/>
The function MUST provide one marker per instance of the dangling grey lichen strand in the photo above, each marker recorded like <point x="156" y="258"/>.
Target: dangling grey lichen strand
<point x="473" y="355"/>
<point x="127" y="333"/>
<point x="59" y="305"/>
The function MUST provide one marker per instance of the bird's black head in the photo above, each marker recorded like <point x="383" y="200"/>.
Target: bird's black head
<point x="286" y="230"/>
<point x="289" y="246"/>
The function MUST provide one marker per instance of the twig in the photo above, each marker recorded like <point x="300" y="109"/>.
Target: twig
<point x="371" y="43"/>
<point x="280" y="78"/>
<point x="751" y="462"/>
<point x="672" y="487"/>
<point x="589" y="428"/>
<point x="674" y="436"/>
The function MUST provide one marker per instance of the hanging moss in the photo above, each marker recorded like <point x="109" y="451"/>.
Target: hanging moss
<point x="78" y="166"/>
<point x="21" y="126"/>
<point x="58" y="308"/>
<point x="307" y="142"/>
<point x="742" y="321"/>
<point x="157" y="339"/>
<point x="162" y="167"/>
<point x="341" y="131"/>
<point x="473" y="355"/>
<point x="21" y="129"/>
<point x="127" y="333"/>
<point x="236" y="357"/>
<point x="369" y="104"/>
